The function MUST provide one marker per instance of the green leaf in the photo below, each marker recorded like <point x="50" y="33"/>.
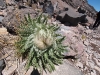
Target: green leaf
<point x="29" y="41"/>
<point x="35" y="63"/>
<point x="29" y="18"/>
<point x="39" y="18"/>
<point x="51" y="65"/>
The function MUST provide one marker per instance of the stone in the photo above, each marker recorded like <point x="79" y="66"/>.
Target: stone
<point x="97" y="62"/>
<point x="86" y="43"/>
<point x="97" y="68"/>
<point x="88" y="31"/>
<point x="81" y="10"/>
<point x="97" y="55"/>
<point x="10" y="9"/>
<point x="10" y="70"/>
<point x="2" y="66"/>
<point x="3" y="13"/>
<point x="70" y="16"/>
<point x="2" y="4"/>
<point x="79" y="64"/>
<point x="65" y="69"/>
<point x="91" y="64"/>
<point x="93" y="72"/>
<point x="1" y="18"/>
<point x="7" y="42"/>
<point x="48" y="8"/>
<point x="55" y="6"/>
<point x="70" y="41"/>
<point x="3" y="31"/>
<point x="14" y="18"/>
<point x="0" y="25"/>
<point x="10" y="2"/>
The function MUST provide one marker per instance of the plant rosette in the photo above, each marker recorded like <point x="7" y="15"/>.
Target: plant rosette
<point x="40" y="44"/>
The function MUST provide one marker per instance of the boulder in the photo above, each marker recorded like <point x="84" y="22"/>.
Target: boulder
<point x="2" y="66"/>
<point x="73" y="41"/>
<point x="14" y="18"/>
<point x="71" y="16"/>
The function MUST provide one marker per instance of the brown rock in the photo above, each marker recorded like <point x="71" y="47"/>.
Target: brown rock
<point x="14" y="18"/>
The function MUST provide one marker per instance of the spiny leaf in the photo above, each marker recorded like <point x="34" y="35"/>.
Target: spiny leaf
<point x="40" y="43"/>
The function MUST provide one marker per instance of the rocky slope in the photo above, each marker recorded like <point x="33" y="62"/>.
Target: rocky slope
<point x="89" y="9"/>
<point x="82" y="58"/>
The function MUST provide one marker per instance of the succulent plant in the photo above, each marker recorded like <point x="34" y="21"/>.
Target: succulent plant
<point x="40" y="44"/>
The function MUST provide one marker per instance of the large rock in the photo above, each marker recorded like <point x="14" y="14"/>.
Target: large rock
<point x="71" y="16"/>
<point x="73" y="41"/>
<point x="14" y="18"/>
<point x="2" y="66"/>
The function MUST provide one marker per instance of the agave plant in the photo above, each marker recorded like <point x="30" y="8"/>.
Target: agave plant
<point x="40" y="44"/>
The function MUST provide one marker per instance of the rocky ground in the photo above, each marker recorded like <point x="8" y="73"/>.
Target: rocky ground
<point x="82" y="58"/>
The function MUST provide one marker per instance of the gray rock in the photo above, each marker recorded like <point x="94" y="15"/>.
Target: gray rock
<point x="91" y="63"/>
<point x="97" y="55"/>
<point x="2" y="4"/>
<point x="2" y="66"/>
<point x="55" y="6"/>
<point x="71" y="16"/>
<point x="64" y="27"/>
<point x="1" y="18"/>
<point x="48" y="8"/>
<point x="66" y="69"/>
